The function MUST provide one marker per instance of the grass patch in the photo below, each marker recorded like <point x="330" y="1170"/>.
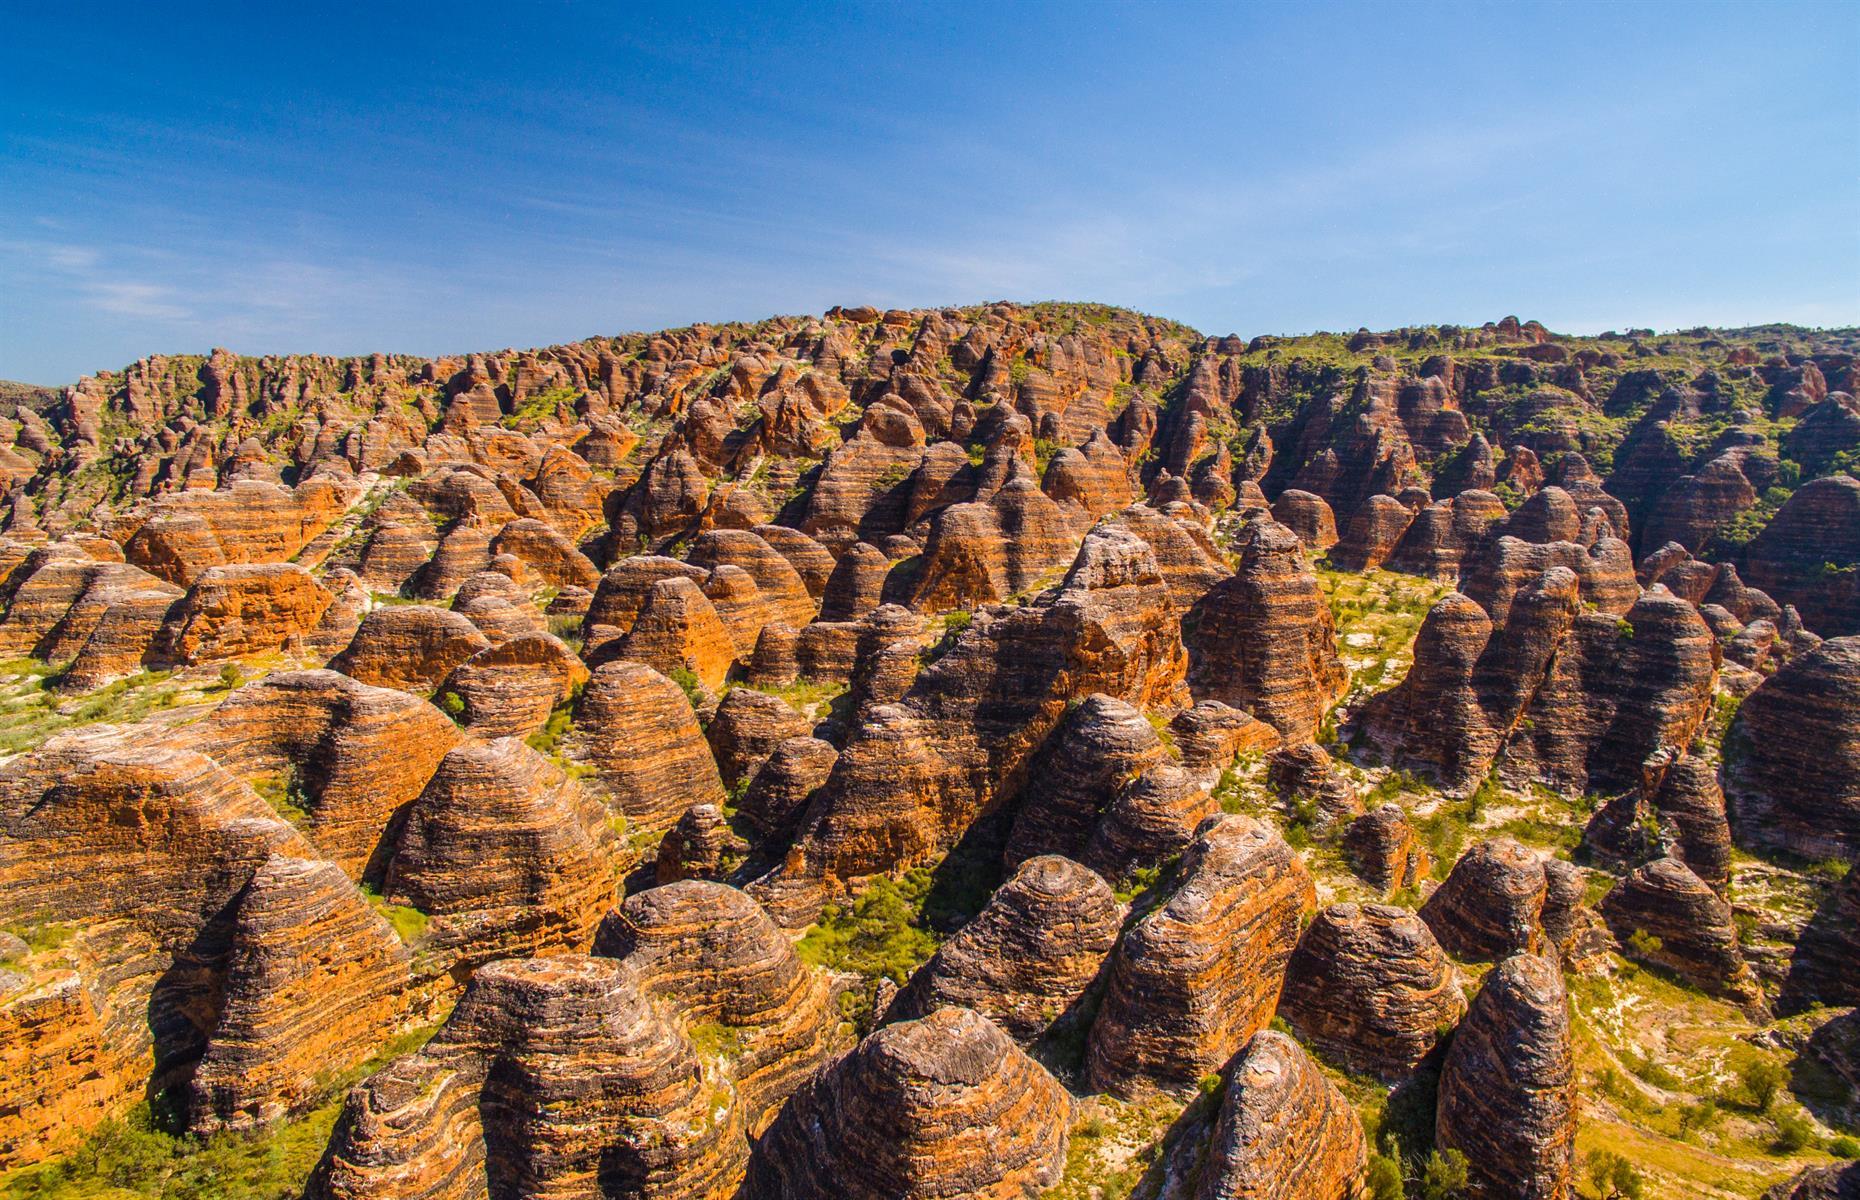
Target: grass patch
<point x="409" y="923"/>
<point x="30" y="714"/>
<point x="284" y="792"/>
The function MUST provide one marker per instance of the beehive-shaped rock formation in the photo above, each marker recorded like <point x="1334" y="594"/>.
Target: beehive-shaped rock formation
<point x="1264" y="640"/>
<point x="1028" y="956"/>
<point x="1370" y="988"/>
<point x="1198" y="976"/>
<point x="1284" y="1131"/>
<point x="1508" y="1087"/>
<point x="942" y="1106"/>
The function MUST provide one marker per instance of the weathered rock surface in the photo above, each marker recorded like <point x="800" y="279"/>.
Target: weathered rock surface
<point x="510" y="689"/>
<point x="1683" y="926"/>
<point x="1028" y="957"/>
<point x="1198" y="976"/>
<point x="1284" y="1131"/>
<point x="711" y="955"/>
<point x="1792" y="758"/>
<point x="302" y="935"/>
<point x="699" y="845"/>
<point x="412" y="647"/>
<point x="237" y="610"/>
<point x="1369" y="986"/>
<point x="506" y="854"/>
<point x="942" y="1106"/>
<point x="678" y="630"/>
<point x="1575" y="698"/>
<point x="1100" y="743"/>
<point x="1306" y="781"/>
<point x="60" y="1073"/>
<point x="1508" y="1087"/>
<point x="985" y="704"/>
<point x="1264" y="640"/>
<point x="1385" y="851"/>
<point x="1818" y="527"/>
<point x="554" y="1077"/>
<point x="745" y="730"/>
<point x="639" y="732"/>
<point x="1491" y="904"/>
<point x="355" y="756"/>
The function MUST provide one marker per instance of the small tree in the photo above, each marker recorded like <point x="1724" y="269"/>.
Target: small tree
<point x="1444" y="1177"/>
<point x="1613" y="1176"/>
<point x="1385" y="1182"/>
<point x="1762" y="1079"/>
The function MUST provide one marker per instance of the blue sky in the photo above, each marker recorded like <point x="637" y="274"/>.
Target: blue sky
<point x="461" y="176"/>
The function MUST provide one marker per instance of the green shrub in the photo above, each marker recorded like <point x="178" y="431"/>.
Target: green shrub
<point x="879" y="933"/>
<point x="690" y="684"/>
<point x="1793" y="1133"/>
<point x="1844" y="1147"/>
<point x="1644" y="945"/>
<point x="1761" y="1079"/>
<point x="1613" y="1177"/>
<point x="409" y="923"/>
<point x="1384" y="1179"/>
<point x="1445" y="1176"/>
<point x="452" y="704"/>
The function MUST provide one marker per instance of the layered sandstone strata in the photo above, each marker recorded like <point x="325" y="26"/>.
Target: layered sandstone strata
<point x="1028" y="957"/>
<point x="1370" y="987"/>
<point x="1284" y="1132"/>
<point x="1508" y="1087"/>
<point x="1792" y="759"/>
<point x="554" y="1077"/>
<point x="1198" y="976"/>
<point x="638" y="731"/>
<point x="942" y="1106"/>
<point x="1264" y="640"/>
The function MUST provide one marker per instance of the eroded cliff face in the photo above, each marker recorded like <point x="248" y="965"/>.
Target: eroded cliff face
<point x="915" y="754"/>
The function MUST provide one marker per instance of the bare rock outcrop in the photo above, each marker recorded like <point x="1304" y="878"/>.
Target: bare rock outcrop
<point x="505" y="853"/>
<point x="353" y="755"/>
<point x="232" y="611"/>
<point x="1264" y="640"/>
<point x="553" y="1077"/>
<point x="1507" y="1097"/>
<point x="1285" y="1132"/>
<point x="1491" y="904"/>
<point x="1384" y="850"/>
<point x="1579" y="699"/>
<point x="745" y="730"/>
<point x="302" y="936"/>
<point x="1306" y="780"/>
<point x="942" y="1106"/>
<point x="678" y="629"/>
<point x="412" y="647"/>
<point x="1100" y="743"/>
<point x="1664" y="914"/>
<point x="1825" y="968"/>
<point x="699" y="845"/>
<point x="510" y="689"/>
<point x="710" y="954"/>
<point x="986" y="704"/>
<point x="1198" y="976"/>
<point x="1369" y="986"/>
<point x="638" y="731"/>
<point x="1817" y="528"/>
<point x="1028" y="957"/>
<point x="1792" y="757"/>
